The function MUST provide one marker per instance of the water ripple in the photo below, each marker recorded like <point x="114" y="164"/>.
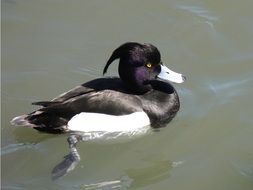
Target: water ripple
<point x="92" y="72"/>
<point x="234" y="84"/>
<point x="199" y="11"/>
<point x="15" y="147"/>
<point x="122" y="183"/>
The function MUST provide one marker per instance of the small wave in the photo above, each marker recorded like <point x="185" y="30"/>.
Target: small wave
<point x="122" y="183"/>
<point x="15" y="147"/>
<point x="200" y="12"/>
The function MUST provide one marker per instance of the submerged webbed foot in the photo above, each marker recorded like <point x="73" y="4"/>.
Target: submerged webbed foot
<point x="70" y="161"/>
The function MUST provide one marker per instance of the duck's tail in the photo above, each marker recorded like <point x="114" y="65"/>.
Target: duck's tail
<point x="22" y="120"/>
<point x="42" y="121"/>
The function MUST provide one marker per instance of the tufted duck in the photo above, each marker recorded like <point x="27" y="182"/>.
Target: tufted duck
<point x="142" y="96"/>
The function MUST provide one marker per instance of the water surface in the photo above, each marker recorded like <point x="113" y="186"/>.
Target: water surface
<point x="50" y="46"/>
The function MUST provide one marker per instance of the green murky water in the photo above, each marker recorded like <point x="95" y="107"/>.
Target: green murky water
<point x="50" y="46"/>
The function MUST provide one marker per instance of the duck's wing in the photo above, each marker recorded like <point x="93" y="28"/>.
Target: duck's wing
<point x="86" y="88"/>
<point x="77" y="91"/>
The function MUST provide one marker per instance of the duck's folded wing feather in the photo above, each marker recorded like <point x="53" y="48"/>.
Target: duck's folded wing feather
<point x="88" y="87"/>
<point x="77" y="91"/>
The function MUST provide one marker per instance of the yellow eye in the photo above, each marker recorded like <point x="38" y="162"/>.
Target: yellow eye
<point x="148" y="65"/>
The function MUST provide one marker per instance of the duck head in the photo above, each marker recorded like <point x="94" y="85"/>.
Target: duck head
<point x="139" y="65"/>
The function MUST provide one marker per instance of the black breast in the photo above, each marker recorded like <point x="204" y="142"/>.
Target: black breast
<point x="161" y="104"/>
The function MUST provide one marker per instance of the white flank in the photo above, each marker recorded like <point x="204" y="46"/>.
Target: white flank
<point x="98" y="124"/>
